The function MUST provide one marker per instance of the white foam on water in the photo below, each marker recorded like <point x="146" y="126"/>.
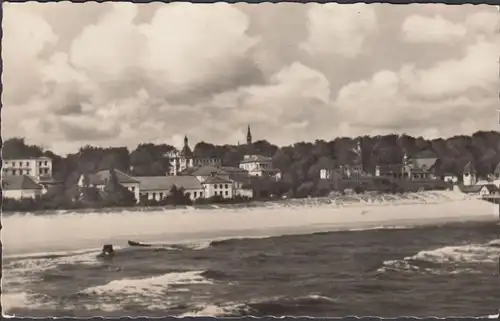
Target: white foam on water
<point x="455" y="259"/>
<point x="74" y="231"/>
<point x="152" y="293"/>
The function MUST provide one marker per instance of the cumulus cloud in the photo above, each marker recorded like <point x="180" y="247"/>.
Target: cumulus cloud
<point x="135" y="74"/>
<point x="422" y="29"/>
<point x="339" y="29"/>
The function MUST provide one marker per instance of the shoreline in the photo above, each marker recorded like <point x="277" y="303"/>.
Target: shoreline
<point x="351" y="200"/>
<point x="58" y="233"/>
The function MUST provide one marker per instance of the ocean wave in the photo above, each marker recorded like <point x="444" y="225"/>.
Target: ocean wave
<point x="153" y="293"/>
<point x="275" y="306"/>
<point x="447" y="260"/>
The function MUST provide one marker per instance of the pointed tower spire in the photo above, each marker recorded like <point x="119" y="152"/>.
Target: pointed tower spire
<point x="249" y="136"/>
<point x="185" y="140"/>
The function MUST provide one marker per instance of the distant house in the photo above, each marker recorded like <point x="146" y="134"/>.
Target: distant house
<point x="159" y="187"/>
<point x="205" y="172"/>
<point x="101" y="178"/>
<point x="327" y="168"/>
<point x="258" y="165"/>
<point x="450" y="178"/>
<point x="218" y="186"/>
<point x="20" y="186"/>
<point x="35" y="167"/>
<point x="480" y="190"/>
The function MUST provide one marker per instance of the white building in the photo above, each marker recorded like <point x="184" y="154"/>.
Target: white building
<point x="101" y="178"/>
<point x="469" y="175"/>
<point x="36" y="167"/>
<point x="20" y="186"/>
<point x="450" y="178"/>
<point x="218" y="186"/>
<point x="183" y="159"/>
<point x="480" y="190"/>
<point x="257" y="165"/>
<point x="159" y="187"/>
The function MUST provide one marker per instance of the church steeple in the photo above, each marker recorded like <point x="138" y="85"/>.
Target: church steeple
<point x="249" y="136"/>
<point x="186" y="140"/>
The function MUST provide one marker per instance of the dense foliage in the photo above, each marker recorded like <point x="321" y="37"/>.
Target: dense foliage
<point x="300" y="163"/>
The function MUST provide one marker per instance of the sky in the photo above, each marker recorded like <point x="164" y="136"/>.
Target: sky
<point x="121" y="74"/>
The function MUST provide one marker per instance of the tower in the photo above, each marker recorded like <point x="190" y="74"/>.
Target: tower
<point x="249" y="136"/>
<point x="186" y="142"/>
<point x="469" y="175"/>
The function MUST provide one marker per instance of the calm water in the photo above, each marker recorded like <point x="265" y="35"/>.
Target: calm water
<point x="446" y="270"/>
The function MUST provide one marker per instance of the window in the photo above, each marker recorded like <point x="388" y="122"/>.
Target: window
<point x="154" y="195"/>
<point x="132" y="189"/>
<point x="27" y="163"/>
<point x="13" y="164"/>
<point x="194" y="194"/>
<point x="226" y="187"/>
<point x="215" y="193"/>
<point x="45" y="163"/>
<point x="227" y="193"/>
<point x="161" y="195"/>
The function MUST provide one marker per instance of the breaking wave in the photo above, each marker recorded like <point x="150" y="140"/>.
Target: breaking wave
<point x="447" y="260"/>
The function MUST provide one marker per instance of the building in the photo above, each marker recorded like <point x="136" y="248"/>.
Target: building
<point x="418" y="167"/>
<point x="327" y="168"/>
<point x="35" y="167"/>
<point x="101" y="178"/>
<point x="20" y="187"/>
<point x="450" y="178"/>
<point x="159" y="187"/>
<point x="218" y="186"/>
<point x="181" y="160"/>
<point x="480" y="190"/>
<point x="469" y="177"/>
<point x="257" y="165"/>
<point x="205" y="172"/>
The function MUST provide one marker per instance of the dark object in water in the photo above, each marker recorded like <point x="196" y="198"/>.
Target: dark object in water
<point x="107" y="251"/>
<point x="133" y="243"/>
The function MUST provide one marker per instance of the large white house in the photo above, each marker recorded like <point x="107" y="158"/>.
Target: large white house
<point x="258" y="165"/>
<point x="20" y="186"/>
<point x="36" y="167"/>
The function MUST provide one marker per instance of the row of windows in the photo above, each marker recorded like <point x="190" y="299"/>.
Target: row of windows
<point x="21" y="163"/>
<point x="8" y="171"/>
<point x="161" y="195"/>
<point x="221" y="186"/>
<point x="220" y="193"/>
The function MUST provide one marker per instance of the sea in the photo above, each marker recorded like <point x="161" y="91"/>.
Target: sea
<point x="237" y="261"/>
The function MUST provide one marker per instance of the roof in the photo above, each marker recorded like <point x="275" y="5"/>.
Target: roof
<point x="469" y="168"/>
<point x="26" y="158"/>
<point x="231" y="169"/>
<point x="491" y="187"/>
<point x="186" y="151"/>
<point x="101" y="177"/>
<point x="216" y="180"/>
<point x="471" y="189"/>
<point x="154" y="183"/>
<point x="208" y="171"/>
<point x="390" y="168"/>
<point x="425" y="154"/>
<point x="255" y="159"/>
<point x="19" y="183"/>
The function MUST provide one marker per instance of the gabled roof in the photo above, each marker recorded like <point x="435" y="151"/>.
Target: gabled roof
<point x="208" y="171"/>
<point x="255" y="159"/>
<point x="165" y="183"/>
<point x="186" y="151"/>
<point x="216" y="180"/>
<point x="21" y="182"/>
<point x="490" y="187"/>
<point x="101" y="177"/>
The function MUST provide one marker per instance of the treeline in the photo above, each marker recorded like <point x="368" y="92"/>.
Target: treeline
<point x="299" y="163"/>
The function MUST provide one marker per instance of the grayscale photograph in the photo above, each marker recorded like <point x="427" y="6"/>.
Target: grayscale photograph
<point x="180" y="159"/>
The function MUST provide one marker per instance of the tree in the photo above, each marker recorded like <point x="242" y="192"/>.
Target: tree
<point x="116" y="194"/>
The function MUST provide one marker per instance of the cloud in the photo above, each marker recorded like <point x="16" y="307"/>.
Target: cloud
<point x="444" y="99"/>
<point x="339" y="29"/>
<point x="422" y="29"/>
<point x="133" y="74"/>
